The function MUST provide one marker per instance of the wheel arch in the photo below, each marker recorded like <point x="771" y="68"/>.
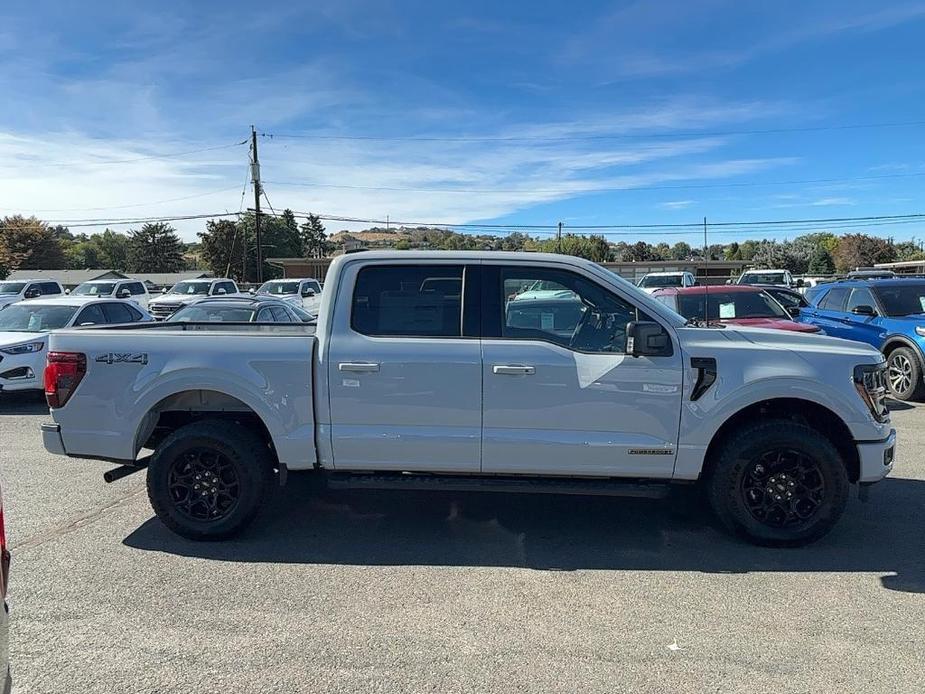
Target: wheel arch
<point x="894" y="341"/>
<point x="812" y="414"/>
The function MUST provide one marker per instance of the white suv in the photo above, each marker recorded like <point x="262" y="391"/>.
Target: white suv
<point x="189" y="292"/>
<point x="781" y="278"/>
<point x="134" y="290"/>
<point x="660" y="280"/>
<point x="12" y="291"/>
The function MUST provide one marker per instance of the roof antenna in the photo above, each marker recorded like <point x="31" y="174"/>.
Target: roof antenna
<point x="706" y="290"/>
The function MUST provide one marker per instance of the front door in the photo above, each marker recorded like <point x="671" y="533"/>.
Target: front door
<point x="561" y="396"/>
<point x="404" y="376"/>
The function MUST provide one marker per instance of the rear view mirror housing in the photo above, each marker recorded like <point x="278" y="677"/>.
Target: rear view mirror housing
<point x="794" y="311"/>
<point x="647" y="339"/>
<point x="864" y="310"/>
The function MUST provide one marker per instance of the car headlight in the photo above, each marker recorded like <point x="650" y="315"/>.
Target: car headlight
<point x="870" y="382"/>
<point x="26" y="348"/>
<point x="919" y="330"/>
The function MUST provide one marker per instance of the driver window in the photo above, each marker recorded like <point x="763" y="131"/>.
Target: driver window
<point x="563" y="308"/>
<point x="860" y="297"/>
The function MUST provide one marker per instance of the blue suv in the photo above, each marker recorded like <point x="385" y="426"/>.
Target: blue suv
<point x="886" y="313"/>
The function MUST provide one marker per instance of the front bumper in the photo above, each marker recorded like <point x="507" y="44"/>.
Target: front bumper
<point x="22" y="371"/>
<point x="51" y="439"/>
<point x="877" y="458"/>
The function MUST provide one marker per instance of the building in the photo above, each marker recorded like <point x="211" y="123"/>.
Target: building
<point x="706" y="271"/>
<point x="68" y="278"/>
<point x="904" y="267"/>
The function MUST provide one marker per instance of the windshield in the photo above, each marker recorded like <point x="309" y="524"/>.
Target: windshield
<point x="197" y="313"/>
<point x="899" y="300"/>
<point x="95" y="289"/>
<point x="11" y="287"/>
<point x="35" y="319"/>
<point x="730" y="305"/>
<point x="303" y="315"/>
<point x="191" y="288"/>
<point x="278" y="288"/>
<point x="763" y="278"/>
<point x="661" y="281"/>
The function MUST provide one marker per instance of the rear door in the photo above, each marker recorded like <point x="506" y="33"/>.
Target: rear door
<point x="404" y="373"/>
<point x="561" y="396"/>
<point x="829" y="312"/>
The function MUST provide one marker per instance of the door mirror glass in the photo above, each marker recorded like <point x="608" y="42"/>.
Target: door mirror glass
<point x="124" y="293"/>
<point x="864" y="310"/>
<point x="220" y="290"/>
<point x="647" y="338"/>
<point x="794" y="311"/>
<point x="308" y="291"/>
<point x="33" y="292"/>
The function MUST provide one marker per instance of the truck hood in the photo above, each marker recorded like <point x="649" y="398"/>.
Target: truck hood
<point x="804" y="344"/>
<point x="15" y="338"/>
<point x="7" y="299"/>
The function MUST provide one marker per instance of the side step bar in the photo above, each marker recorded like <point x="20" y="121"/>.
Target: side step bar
<point x="511" y="483"/>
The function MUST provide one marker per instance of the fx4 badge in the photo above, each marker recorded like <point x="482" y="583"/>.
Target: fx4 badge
<point x="123" y="358"/>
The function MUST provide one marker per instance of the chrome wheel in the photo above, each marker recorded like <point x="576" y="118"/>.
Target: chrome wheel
<point x="900" y="373"/>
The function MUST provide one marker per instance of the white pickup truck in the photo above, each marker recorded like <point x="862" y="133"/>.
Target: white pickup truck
<point x="408" y="382"/>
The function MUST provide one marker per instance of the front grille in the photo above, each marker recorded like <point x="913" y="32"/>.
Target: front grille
<point x="162" y="310"/>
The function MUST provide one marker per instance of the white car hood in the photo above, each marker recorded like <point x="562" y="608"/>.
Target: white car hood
<point x="788" y="340"/>
<point x="15" y="338"/>
<point x="7" y="299"/>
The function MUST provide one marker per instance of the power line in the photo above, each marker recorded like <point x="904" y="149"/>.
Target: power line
<point x="602" y="136"/>
<point x="107" y="162"/>
<point x="593" y="190"/>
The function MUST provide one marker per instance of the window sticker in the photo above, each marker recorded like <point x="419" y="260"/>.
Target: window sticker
<point x="547" y="321"/>
<point x="727" y="310"/>
<point x="922" y="302"/>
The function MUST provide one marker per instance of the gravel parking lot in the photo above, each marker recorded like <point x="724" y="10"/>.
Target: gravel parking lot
<point x="401" y="591"/>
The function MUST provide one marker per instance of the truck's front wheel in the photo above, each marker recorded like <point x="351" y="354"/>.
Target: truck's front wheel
<point x="778" y="483"/>
<point x="206" y="480"/>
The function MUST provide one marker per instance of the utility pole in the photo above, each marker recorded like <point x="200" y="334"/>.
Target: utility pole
<point x="559" y="239"/>
<point x="706" y="247"/>
<point x="255" y="179"/>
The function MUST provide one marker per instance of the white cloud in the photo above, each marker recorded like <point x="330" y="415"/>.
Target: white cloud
<point x="677" y="204"/>
<point x="832" y="202"/>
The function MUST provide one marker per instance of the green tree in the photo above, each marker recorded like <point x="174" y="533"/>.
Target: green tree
<point x="820" y="262"/>
<point x="27" y="243"/>
<point x="222" y="249"/>
<point x="314" y="240"/>
<point x="680" y="251"/>
<point x="592" y="247"/>
<point x="81" y="255"/>
<point x="113" y="247"/>
<point x="733" y="252"/>
<point x="155" y="248"/>
<point x="909" y="250"/>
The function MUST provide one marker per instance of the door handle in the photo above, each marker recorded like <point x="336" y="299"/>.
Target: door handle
<point x="513" y="370"/>
<point x="365" y="367"/>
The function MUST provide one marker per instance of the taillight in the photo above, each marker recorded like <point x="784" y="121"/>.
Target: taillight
<point x="62" y="375"/>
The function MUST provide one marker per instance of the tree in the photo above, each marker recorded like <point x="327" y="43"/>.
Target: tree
<point x="113" y="248"/>
<point x="155" y="248"/>
<point x="680" y="251"/>
<point x="747" y="249"/>
<point x="909" y="250"/>
<point x="592" y="247"/>
<point x="314" y="240"/>
<point x="83" y="255"/>
<point x="820" y="262"/>
<point x="638" y="252"/>
<point x="222" y="249"/>
<point x="733" y="252"/>
<point x="27" y="243"/>
<point x="861" y="250"/>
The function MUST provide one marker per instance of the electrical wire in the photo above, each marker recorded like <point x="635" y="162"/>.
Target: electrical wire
<point x="602" y="136"/>
<point x="167" y="155"/>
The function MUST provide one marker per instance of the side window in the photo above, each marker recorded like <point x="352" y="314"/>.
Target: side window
<point x="91" y="315"/>
<point x="50" y="288"/>
<point x="117" y="313"/>
<point x="136" y="288"/>
<point x="280" y="315"/>
<point x="408" y="301"/>
<point x="835" y="299"/>
<point x="230" y="288"/>
<point x="563" y="308"/>
<point x="264" y="315"/>
<point x="861" y="297"/>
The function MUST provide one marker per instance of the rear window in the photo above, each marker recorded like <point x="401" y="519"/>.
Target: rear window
<point x="763" y="278"/>
<point x="650" y="281"/>
<point x="729" y="305"/>
<point x="408" y="301"/>
<point x="835" y="299"/>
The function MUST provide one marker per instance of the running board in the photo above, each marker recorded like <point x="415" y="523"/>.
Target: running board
<point x="528" y="485"/>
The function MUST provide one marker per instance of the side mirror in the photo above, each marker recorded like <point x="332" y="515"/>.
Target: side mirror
<point x="251" y="291"/>
<point x="33" y="293"/>
<point x="794" y="311"/>
<point x="123" y="294"/>
<point x="647" y="339"/>
<point x="308" y="292"/>
<point x="800" y="283"/>
<point x="221" y="290"/>
<point x="864" y="310"/>
<point x="67" y="291"/>
<point x="728" y="281"/>
<point x="163" y="290"/>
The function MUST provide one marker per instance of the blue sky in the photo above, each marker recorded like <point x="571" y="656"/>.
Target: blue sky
<point x="588" y="113"/>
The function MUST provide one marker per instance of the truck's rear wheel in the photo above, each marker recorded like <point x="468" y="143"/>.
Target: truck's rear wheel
<point x="206" y="480"/>
<point x="778" y="483"/>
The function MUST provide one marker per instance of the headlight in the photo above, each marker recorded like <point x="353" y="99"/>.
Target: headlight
<point x="919" y="330"/>
<point x="27" y="348"/>
<point x="870" y="382"/>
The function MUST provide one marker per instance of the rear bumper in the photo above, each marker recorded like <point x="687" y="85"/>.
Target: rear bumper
<point x="51" y="438"/>
<point x="877" y="458"/>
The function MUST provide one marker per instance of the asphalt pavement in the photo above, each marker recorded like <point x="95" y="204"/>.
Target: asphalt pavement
<point x="416" y="592"/>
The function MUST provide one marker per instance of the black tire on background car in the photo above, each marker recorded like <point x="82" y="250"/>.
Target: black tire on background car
<point x="206" y="480"/>
<point x="778" y="483"/>
<point x="904" y="374"/>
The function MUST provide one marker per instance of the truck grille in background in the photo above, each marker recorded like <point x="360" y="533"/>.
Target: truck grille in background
<point x="162" y="311"/>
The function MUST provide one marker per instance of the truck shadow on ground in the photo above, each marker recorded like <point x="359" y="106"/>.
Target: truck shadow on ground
<point x="306" y="524"/>
<point x="27" y="402"/>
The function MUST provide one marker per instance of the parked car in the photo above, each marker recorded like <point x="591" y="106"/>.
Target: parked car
<point x="189" y="292"/>
<point x="399" y="388"/>
<point x="7" y="681"/>
<point x="871" y="274"/>
<point x="781" y="278"/>
<point x="256" y="309"/>
<point x="888" y="314"/>
<point x="790" y="299"/>
<point x="13" y="291"/>
<point x="659" y="280"/>
<point x="133" y="290"/>
<point x="24" y="329"/>
<point x="305" y="292"/>
<point x="732" y="305"/>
